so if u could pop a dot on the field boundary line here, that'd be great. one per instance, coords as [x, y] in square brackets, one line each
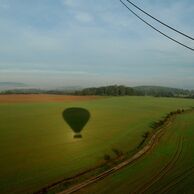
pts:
[147, 147]
[114, 169]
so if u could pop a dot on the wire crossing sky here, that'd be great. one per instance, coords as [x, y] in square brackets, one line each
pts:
[178, 31]
[52, 44]
[174, 40]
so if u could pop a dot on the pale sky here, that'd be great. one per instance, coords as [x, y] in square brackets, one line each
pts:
[55, 43]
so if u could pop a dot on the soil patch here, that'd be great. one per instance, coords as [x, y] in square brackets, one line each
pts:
[29, 98]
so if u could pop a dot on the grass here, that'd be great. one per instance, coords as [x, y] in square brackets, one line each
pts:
[38, 148]
[168, 168]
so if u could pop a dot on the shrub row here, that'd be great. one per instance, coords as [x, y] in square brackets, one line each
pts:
[161, 122]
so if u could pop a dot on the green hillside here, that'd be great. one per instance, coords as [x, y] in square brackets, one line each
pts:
[38, 148]
[168, 168]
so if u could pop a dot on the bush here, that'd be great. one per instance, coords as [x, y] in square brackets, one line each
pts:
[146, 134]
[117, 152]
[178, 111]
[107, 157]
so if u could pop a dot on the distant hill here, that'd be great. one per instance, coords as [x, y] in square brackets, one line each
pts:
[163, 91]
[113, 90]
[69, 88]
[12, 84]
[119, 90]
[23, 91]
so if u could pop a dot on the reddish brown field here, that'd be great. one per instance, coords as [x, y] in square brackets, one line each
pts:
[22, 98]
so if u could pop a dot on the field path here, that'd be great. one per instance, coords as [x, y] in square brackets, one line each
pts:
[101, 176]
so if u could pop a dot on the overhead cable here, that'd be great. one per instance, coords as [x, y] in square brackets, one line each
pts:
[168, 26]
[184, 45]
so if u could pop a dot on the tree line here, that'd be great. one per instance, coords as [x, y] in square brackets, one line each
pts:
[113, 90]
[120, 90]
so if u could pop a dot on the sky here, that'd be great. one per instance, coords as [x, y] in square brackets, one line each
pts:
[59, 43]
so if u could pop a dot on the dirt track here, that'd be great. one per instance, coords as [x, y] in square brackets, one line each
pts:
[139, 154]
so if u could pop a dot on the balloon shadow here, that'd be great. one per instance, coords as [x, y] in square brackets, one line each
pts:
[76, 118]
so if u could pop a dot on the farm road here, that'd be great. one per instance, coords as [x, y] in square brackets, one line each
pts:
[101, 176]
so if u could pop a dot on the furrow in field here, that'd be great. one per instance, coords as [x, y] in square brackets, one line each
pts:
[176, 180]
[139, 154]
[164, 170]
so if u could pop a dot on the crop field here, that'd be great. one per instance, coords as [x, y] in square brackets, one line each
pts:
[168, 168]
[38, 146]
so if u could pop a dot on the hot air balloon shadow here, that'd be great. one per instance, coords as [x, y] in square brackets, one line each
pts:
[76, 118]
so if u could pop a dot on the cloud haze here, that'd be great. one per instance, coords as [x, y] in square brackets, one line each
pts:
[80, 42]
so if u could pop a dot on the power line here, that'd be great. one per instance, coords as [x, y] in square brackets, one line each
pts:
[160, 21]
[156, 28]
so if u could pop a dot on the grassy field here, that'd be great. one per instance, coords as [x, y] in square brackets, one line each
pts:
[38, 148]
[168, 168]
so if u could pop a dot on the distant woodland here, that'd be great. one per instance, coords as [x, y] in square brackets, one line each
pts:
[114, 90]
[156, 91]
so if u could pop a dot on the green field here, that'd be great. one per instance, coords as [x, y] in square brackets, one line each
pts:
[38, 148]
[168, 168]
